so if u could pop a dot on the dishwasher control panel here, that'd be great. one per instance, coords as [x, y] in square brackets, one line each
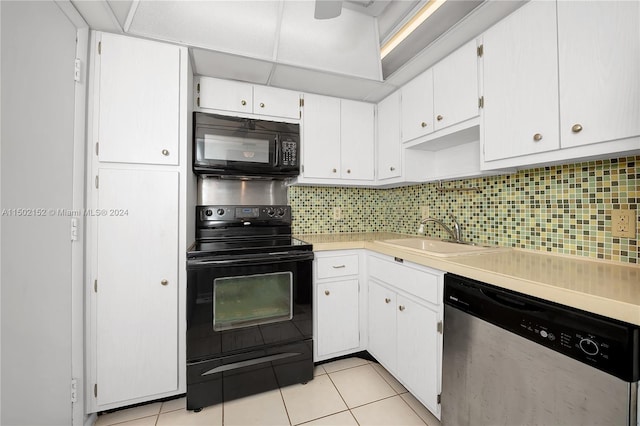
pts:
[609, 345]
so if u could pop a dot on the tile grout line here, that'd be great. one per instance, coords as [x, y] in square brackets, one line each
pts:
[284, 404]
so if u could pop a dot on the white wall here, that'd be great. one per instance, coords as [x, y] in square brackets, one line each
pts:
[37, 139]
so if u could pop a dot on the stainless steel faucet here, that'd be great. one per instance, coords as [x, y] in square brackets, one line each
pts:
[455, 233]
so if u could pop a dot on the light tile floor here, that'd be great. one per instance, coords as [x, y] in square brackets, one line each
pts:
[350, 391]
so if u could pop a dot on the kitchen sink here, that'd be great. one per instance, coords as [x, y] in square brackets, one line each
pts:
[441, 248]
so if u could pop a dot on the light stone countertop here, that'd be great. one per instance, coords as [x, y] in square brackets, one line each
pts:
[606, 288]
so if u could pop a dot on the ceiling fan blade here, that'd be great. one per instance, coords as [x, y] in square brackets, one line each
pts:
[327, 9]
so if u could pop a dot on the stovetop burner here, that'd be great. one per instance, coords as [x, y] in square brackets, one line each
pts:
[237, 230]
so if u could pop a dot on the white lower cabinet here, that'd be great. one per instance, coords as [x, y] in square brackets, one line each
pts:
[405, 325]
[339, 305]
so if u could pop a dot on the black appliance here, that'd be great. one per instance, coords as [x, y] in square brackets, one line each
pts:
[243, 147]
[249, 304]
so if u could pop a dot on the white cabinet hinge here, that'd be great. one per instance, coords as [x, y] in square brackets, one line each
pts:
[99, 48]
[481, 102]
[301, 102]
[439, 327]
[76, 69]
[97, 148]
[74, 390]
[439, 398]
[74, 229]
[480, 50]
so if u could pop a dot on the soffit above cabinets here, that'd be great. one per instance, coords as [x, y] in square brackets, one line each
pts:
[279, 43]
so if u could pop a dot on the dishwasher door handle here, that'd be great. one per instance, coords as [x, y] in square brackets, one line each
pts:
[509, 302]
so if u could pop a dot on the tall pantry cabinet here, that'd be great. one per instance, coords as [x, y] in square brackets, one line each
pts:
[137, 190]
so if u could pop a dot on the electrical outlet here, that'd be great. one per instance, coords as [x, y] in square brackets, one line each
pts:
[337, 213]
[424, 211]
[623, 223]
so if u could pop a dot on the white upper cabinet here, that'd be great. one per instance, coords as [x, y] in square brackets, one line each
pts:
[233, 96]
[321, 137]
[417, 106]
[389, 144]
[520, 114]
[357, 139]
[455, 87]
[338, 140]
[138, 110]
[276, 102]
[225, 95]
[599, 55]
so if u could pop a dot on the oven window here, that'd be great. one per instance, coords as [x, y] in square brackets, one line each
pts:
[252, 300]
[231, 148]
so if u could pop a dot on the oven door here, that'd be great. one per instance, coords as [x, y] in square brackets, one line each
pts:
[241, 303]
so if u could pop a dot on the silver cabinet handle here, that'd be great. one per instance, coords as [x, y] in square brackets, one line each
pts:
[243, 102]
[439, 118]
[327, 292]
[392, 168]
[387, 300]
[402, 308]
[576, 128]
[261, 105]
[164, 282]
[348, 170]
[537, 137]
[338, 266]
[165, 152]
[423, 124]
[334, 170]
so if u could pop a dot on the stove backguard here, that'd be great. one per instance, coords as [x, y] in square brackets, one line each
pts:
[220, 191]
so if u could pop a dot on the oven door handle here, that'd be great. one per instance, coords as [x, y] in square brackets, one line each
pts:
[250, 261]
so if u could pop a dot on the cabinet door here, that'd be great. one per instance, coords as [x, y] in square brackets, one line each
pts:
[382, 325]
[357, 140]
[419, 352]
[338, 317]
[321, 137]
[417, 106]
[138, 112]
[599, 71]
[276, 102]
[389, 145]
[520, 73]
[455, 87]
[224, 95]
[137, 284]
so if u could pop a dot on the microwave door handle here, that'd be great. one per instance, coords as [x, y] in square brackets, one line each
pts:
[277, 150]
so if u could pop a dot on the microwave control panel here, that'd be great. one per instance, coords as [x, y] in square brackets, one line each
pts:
[289, 153]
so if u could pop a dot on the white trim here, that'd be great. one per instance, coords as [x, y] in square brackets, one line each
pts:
[130, 15]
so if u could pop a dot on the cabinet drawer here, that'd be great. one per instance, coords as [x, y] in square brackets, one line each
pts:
[419, 283]
[337, 266]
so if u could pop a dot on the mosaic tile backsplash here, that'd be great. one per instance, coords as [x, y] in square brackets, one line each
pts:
[561, 209]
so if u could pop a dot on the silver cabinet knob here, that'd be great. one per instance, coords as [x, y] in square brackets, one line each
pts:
[243, 102]
[402, 308]
[576, 128]
[423, 124]
[165, 152]
[348, 170]
[261, 105]
[164, 282]
[327, 292]
[537, 137]
[334, 170]
[439, 118]
[392, 168]
[387, 300]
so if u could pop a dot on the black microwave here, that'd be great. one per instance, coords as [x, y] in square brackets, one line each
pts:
[244, 147]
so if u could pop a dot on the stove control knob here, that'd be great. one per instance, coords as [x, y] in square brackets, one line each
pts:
[208, 212]
[220, 212]
[270, 211]
[280, 212]
[589, 347]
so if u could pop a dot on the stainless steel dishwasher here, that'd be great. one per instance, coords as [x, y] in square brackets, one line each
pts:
[511, 359]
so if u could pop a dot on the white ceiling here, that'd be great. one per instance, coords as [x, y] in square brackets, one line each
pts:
[279, 43]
